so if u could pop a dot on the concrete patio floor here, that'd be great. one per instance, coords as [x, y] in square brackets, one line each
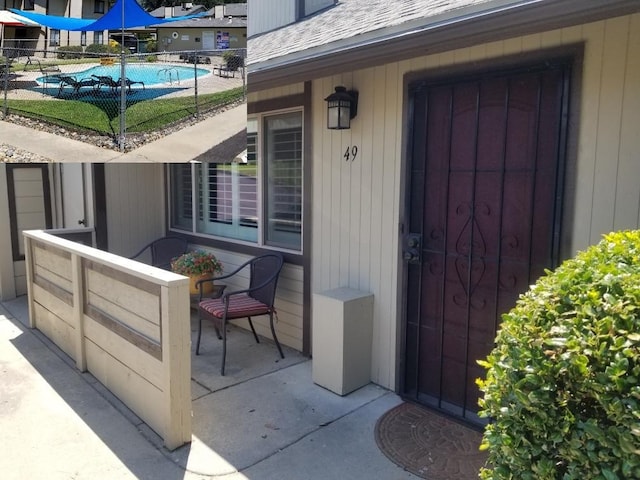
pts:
[264, 420]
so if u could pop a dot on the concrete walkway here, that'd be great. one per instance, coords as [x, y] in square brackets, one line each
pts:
[182, 146]
[264, 420]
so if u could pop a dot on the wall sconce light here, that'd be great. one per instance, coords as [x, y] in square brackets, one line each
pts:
[342, 106]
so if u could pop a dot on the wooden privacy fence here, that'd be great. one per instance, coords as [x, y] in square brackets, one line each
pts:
[125, 322]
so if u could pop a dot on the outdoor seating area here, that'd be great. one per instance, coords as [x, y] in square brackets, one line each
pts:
[230, 67]
[258, 299]
[161, 251]
[76, 85]
[113, 85]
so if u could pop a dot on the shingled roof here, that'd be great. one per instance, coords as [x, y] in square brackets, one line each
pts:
[359, 33]
[351, 20]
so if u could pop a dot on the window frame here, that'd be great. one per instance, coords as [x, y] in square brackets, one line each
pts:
[99, 6]
[54, 37]
[261, 192]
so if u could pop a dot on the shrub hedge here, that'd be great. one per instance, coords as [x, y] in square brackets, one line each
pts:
[562, 385]
[69, 52]
[101, 48]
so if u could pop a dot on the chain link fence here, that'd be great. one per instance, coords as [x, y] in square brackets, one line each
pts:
[114, 94]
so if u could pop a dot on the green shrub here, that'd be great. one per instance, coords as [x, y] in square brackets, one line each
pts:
[151, 46]
[69, 52]
[102, 48]
[151, 58]
[562, 382]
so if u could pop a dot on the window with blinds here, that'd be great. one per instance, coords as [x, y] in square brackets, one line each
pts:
[256, 197]
[283, 152]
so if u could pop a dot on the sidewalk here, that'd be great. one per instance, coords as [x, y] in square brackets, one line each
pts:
[58, 423]
[181, 146]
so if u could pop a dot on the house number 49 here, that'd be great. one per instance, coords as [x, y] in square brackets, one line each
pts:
[350, 153]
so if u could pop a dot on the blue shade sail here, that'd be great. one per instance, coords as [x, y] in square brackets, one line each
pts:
[134, 16]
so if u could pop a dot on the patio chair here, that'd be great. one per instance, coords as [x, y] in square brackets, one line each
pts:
[231, 66]
[46, 69]
[256, 300]
[75, 84]
[162, 251]
[129, 82]
[108, 81]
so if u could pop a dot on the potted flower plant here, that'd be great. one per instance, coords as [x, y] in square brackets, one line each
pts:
[196, 265]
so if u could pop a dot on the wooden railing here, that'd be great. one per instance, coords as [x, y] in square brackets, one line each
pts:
[125, 322]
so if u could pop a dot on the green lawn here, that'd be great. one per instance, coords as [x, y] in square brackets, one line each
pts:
[103, 116]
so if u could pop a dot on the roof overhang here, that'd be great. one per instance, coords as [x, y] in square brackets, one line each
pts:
[432, 35]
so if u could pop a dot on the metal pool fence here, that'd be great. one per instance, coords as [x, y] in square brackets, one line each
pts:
[113, 94]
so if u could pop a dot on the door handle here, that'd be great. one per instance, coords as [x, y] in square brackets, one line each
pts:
[413, 248]
[81, 222]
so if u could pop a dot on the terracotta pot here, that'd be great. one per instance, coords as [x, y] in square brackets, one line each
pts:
[207, 287]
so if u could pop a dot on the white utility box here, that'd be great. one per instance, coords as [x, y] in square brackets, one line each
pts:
[342, 334]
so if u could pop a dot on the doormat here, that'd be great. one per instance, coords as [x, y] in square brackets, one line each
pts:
[429, 445]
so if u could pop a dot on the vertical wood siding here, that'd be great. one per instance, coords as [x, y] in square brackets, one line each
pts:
[135, 205]
[285, 91]
[356, 204]
[30, 214]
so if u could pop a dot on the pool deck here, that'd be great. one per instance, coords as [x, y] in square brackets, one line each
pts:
[21, 84]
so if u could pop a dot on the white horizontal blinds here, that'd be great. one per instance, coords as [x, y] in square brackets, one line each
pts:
[248, 191]
[220, 196]
[181, 195]
[283, 151]
[227, 200]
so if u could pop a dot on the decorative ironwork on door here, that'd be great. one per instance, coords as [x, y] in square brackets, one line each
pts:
[485, 176]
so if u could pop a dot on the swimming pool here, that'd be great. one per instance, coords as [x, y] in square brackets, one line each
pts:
[150, 74]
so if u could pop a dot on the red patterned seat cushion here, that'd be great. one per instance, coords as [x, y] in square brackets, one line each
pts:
[239, 306]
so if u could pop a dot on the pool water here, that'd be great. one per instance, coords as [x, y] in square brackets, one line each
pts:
[152, 74]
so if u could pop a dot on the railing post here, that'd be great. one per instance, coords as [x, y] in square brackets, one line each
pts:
[77, 279]
[176, 359]
[28, 261]
[195, 77]
[5, 86]
[123, 97]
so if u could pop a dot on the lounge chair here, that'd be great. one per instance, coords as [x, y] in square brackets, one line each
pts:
[131, 82]
[75, 84]
[108, 81]
[46, 69]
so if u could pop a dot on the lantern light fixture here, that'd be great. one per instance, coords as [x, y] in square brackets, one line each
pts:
[342, 106]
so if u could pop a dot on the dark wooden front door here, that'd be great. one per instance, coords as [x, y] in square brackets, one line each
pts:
[485, 175]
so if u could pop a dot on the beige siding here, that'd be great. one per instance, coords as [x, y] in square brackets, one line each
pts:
[288, 298]
[276, 92]
[356, 205]
[135, 206]
[30, 214]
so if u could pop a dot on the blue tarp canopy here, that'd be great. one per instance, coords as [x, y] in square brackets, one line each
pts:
[134, 16]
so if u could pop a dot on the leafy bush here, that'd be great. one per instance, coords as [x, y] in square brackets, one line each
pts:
[102, 48]
[152, 46]
[69, 52]
[562, 382]
[151, 58]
